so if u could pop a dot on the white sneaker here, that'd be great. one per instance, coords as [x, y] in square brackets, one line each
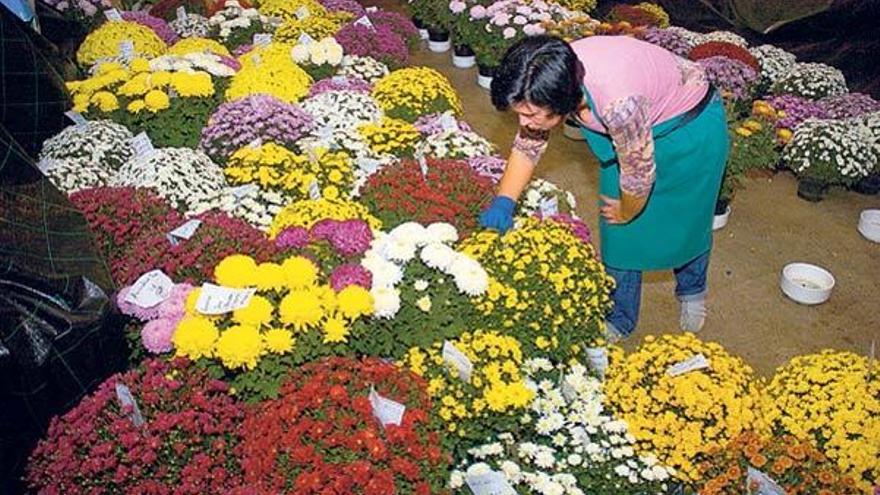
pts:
[693, 315]
[612, 335]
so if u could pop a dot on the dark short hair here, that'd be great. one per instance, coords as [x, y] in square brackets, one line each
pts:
[541, 70]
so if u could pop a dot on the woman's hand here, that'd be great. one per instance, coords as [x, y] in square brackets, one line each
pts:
[610, 210]
[619, 211]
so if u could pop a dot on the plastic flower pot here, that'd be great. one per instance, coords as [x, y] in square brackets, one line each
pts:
[722, 214]
[811, 189]
[806, 284]
[869, 225]
[869, 186]
[572, 130]
[485, 75]
[438, 40]
[463, 57]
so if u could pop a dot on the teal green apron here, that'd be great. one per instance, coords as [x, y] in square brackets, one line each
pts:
[676, 224]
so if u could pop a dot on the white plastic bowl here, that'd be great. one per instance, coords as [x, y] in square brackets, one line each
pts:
[720, 221]
[869, 225]
[484, 82]
[807, 284]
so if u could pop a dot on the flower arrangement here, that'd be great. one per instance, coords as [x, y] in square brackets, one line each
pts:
[418, 282]
[161, 319]
[682, 418]
[830, 151]
[334, 110]
[733, 78]
[336, 245]
[104, 42]
[451, 191]
[320, 59]
[812, 81]
[567, 443]
[317, 27]
[643, 14]
[794, 465]
[85, 156]
[832, 400]
[415, 91]
[235, 26]
[540, 194]
[775, 64]
[573, 28]
[849, 105]
[724, 36]
[186, 443]
[871, 121]
[323, 434]
[287, 9]
[455, 144]
[351, 6]
[307, 213]
[391, 136]
[85, 12]
[270, 70]
[157, 25]
[340, 83]
[182, 176]
[379, 42]
[293, 317]
[240, 122]
[481, 405]
[398, 23]
[198, 45]
[724, 49]
[548, 288]
[367, 68]
[668, 39]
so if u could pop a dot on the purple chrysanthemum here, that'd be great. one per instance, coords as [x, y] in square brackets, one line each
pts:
[293, 238]
[351, 237]
[340, 83]
[431, 124]
[156, 335]
[160, 27]
[379, 42]
[796, 110]
[350, 274]
[849, 105]
[669, 40]
[729, 75]
[344, 6]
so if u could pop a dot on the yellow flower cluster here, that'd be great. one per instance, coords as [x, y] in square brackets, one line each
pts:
[683, 418]
[657, 12]
[391, 136]
[415, 91]
[308, 212]
[578, 5]
[547, 287]
[198, 45]
[318, 27]
[495, 393]
[269, 70]
[136, 88]
[831, 399]
[104, 42]
[573, 28]
[291, 301]
[274, 167]
[292, 9]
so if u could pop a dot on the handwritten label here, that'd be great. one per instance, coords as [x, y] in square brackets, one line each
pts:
[76, 118]
[372, 9]
[262, 39]
[871, 358]
[239, 192]
[423, 165]
[694, 363]
[184, 232]
[549, 206]
[365, 22]
[386, 410]
[302, 12]
[150, 289]
[448, 122]
[142, 145]
[123, 393]
[339, 79]
[458, 360]
[369, 165]
[48, 164]
[597, 358]
[181, 13]
[766, 486]
[490, 483]
[126, 49]
[305, 39]
[112, 15]
[216, 300]
[314, 191]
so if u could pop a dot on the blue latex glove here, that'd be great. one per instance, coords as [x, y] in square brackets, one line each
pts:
[499, 214]
[21, 8]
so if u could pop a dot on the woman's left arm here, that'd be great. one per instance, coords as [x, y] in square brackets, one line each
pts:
[628, 123]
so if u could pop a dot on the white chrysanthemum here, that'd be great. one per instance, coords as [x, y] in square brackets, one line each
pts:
[441, 232]
[545, 459]
[398, 249]
[438, 256]
[420, 285]
[622, 470]
[411, 232]
[478, 469]
[470, 277]
[385, 273]
[386, 302]
[456, 480]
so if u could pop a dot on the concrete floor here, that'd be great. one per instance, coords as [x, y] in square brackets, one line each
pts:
[769, 227]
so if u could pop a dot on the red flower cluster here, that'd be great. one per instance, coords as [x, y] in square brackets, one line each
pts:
[724, 49]
[320, 436]
[634, 15]
[452, 192]
[185, 446]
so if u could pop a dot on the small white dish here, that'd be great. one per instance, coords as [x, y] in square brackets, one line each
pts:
[440, 46]
[869, 225]
[807, 284]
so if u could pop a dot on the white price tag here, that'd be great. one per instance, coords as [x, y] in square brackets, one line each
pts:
[568, 391]
[365, 22]
[423, 165]
[694, 363]
[386, 410]
[216, 300]
[549, 206]
[305, 39]
[314, 191]
[123, 393]
[76, 118]
[448, 122]
[766, 485]
[339, 79]
[262, 39]
[324, 133]
[256, 143]
[372, 9]
[490, 483]
[181, 13]
[597, 357]
[142, 145]
[239, 192]
[458, 360]
[112, 15]
[150, 289]
[302, 12]
[184, 232]
[369, 165]
[126, 49]
[48, 164]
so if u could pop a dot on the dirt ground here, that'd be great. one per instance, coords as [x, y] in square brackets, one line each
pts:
[769, 227]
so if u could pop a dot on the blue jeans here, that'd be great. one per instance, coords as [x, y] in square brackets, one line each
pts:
[627, 296]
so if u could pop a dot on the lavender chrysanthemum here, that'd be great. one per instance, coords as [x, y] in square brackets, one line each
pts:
[668, 39]
[350, 274]
[344, 6]
[159, 26]
[796, 110]
[849, 105]
[293, 238]
[431, 124]
[351, 237]
[730, 76]
[340, 83]
[488, 166]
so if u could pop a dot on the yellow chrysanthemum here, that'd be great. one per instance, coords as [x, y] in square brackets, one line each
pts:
[301, 309]
[258, 312]
[237, 270]
[191, 300]
[292, 9]
[299, 272]
[278, 341]
[139, 64]
[195, 337]
[156, 100]
[198, 45]
[415, 91]
[269, 70]
[160, 79]
[391, 136]
[354, 301]
[192, 84]
[80, 103]
[105, 101]
[105, 41]
[136, 86]
[135, 106]
[270, 276]
[308, 212]
[240, 347]
[335, 331]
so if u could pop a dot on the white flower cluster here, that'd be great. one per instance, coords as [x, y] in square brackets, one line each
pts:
[187, 178]
[250, 203]
[85, 156]
[775, 62]
[813, 81]
[725, 36]
[539, 192]
[191, 26]
[367, 68]
[455, 144]
[692, 37]
[567, 437]
[234, 17]
[871, 121]
[834, 150]
[389, 254]
[325, 52]
[333, 110]
[208, 62]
